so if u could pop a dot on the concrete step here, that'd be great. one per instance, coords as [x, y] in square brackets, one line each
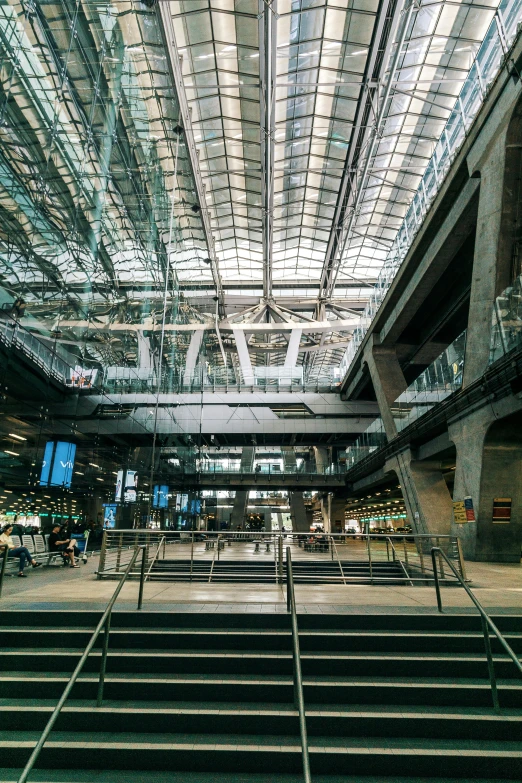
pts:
[249, 753]
[270, 688]
[260, 662]
[269, 639]
[330, 622]
[193, 718]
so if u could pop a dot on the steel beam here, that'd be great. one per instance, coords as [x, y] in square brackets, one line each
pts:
[382, 40]
[173, 58]
[267, 69]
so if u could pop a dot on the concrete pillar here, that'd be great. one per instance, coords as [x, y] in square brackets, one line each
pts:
[388, 382]
[321, 458]
[426, 496]
[492, 257]
[145, 357]
[297, 510]
[289, 460]
[489, 467]
[241, 499]
[337, 514]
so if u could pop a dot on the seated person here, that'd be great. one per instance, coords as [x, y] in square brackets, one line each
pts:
[16, 551]
[58, 542]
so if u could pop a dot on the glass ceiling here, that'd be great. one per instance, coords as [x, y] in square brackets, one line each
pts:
[318, 46]
[134, 137]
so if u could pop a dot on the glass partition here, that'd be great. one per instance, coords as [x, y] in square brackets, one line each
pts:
[487, 64]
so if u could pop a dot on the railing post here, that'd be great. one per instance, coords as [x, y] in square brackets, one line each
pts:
[103, 664]
[191, 554]
[419, 547]
[118, 556]
[462, 567]
[280, 558]
[405, 551]
[491, 666]
[436, 576]
[5, 555]
[370, 558]
[101, 564]
[142, 576]
[388, 550]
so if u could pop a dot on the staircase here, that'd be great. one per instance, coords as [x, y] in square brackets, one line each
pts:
[264, 571]
[207, 697]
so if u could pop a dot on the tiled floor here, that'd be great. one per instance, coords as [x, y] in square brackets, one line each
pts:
[497, 586]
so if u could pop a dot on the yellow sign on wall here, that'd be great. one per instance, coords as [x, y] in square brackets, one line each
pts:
[459, 512]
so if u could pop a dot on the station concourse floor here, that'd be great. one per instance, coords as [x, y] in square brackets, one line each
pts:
[497, 585]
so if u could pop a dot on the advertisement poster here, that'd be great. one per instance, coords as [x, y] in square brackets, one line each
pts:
[58, 464]
[160, 496]
[130, 494]
[119, 481]
[109, 515]
[459, 512]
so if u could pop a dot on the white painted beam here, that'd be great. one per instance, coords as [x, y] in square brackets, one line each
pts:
[293, 348]
[244, 356]
[192, 356]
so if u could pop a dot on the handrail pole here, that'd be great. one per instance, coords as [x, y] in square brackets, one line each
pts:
[486, 620]
[462, 567]
[4, 563]
[74, 676]
[298, 677]
[370, 558]
[142, 576]
[162, 541]
[339, 561]
[103, 664]
[436, 576]
[191, 555]
[491, 665]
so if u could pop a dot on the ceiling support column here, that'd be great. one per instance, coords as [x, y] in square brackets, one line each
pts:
[292, 351]
[244, 357]
[192, 356]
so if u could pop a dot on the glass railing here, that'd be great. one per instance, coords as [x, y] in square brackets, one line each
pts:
[438, 381]
[370, 440]
[221, 467]
[507, 321]
[134, 380]
[499, 36]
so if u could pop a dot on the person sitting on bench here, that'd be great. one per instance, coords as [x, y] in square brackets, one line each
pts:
[16, 551]
[58, 542]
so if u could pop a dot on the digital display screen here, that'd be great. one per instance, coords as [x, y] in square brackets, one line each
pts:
[119, 480]
[195, 506]
[130, 491]
[109, 515]
[161, 496]
[58, 464]
[130, 494]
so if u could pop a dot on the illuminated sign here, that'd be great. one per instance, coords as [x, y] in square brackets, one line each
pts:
[58, 464]
[161, 496]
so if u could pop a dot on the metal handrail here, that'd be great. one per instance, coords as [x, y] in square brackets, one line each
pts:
[162, 541]
[338, 559]
[486, 621]
[397, 558]
[216, 550]
[5, 555]
[298, 677]
[103, 624]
